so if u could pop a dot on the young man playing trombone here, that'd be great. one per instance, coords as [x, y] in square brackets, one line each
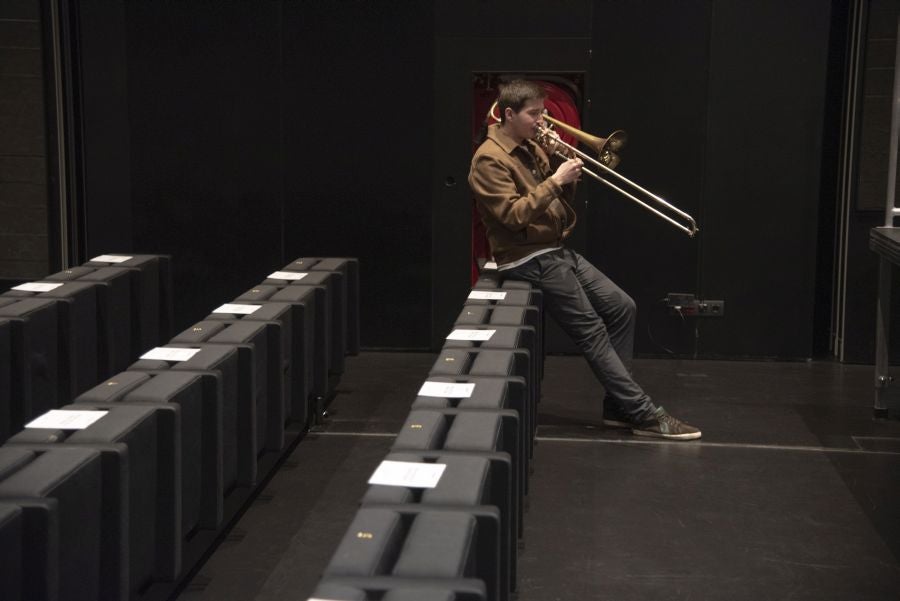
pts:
[523, 199]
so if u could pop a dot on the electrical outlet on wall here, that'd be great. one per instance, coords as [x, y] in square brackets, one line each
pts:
[686, 304]
[711, 308]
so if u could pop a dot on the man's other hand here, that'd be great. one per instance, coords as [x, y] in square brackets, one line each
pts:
[568, 172]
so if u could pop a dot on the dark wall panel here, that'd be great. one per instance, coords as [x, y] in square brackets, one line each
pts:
[877, 94]
[204, 106]
[23, 149]
[649, 77]
[766, 103]
[106, 156]
[357, 163]
[513, 18]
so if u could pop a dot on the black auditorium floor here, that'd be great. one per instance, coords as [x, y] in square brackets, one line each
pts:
[793, 492]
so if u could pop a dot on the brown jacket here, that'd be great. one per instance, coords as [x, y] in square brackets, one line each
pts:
[523, 210]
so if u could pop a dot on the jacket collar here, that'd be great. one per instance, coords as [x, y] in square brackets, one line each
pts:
[502, 140]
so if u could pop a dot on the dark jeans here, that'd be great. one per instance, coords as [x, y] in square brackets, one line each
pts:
[598, 316]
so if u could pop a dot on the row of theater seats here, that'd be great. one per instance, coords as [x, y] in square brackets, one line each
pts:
[456, 537]
[64, 333]
[126, 506]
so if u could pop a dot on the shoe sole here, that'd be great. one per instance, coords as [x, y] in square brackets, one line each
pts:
[613, 423]
[688, 436]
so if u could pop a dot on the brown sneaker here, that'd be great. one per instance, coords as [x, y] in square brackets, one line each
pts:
[663, 425]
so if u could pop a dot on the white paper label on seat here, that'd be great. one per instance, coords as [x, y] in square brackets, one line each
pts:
[486, 295]
[37, 287]
[166, 353]
[288, 275]
[65, 419]
[490, 265]
[237, 309]
[111, 259]
[477, 335]
[446, 390]
[408, 473]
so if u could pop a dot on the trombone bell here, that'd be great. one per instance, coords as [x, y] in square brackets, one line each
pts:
[606, 149]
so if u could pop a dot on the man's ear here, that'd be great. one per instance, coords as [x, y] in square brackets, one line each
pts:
[508, 112]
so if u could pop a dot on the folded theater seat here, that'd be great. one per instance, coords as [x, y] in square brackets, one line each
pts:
[29, 546]
[489, 394]
[508, 338]
[151, 289]
[6, 397]
[485, 392]
[77, 314]
[260, 365]
[36, 384]
[220, 362]
[348, 269]
[74, 541]
[295, 340]
[410, 546]
[519, 338]
[335, 285]
[188, 406]
[518, 294]
[500, 363]
[515, 294]
[12, 550]
[309, 309]
[492, 280]
[330, 288]
[472, 480]
[485, 362]
[455, 431]
[525, 317]
[384, 591]
[116, 315]
[141, 479]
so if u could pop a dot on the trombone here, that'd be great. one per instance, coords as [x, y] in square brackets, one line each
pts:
[607, 160]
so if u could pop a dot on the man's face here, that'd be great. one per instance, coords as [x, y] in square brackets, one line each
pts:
[523, 125]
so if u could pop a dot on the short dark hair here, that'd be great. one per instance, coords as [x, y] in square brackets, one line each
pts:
[516, 93]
